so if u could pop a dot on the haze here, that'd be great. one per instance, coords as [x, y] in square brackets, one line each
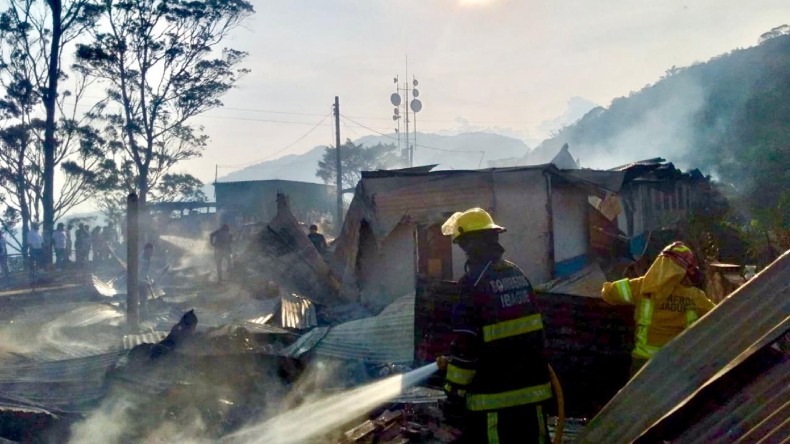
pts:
[497, 65]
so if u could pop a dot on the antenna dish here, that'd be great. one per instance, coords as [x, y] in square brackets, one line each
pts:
[416, 105]
[416, 82]
[396, 111]
[395, 117]
[416, 92]
[395, 99]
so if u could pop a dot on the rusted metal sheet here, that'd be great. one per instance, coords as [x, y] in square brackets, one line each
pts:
[751, 318]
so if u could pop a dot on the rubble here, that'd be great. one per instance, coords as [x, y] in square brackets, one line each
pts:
[212, 359]
[282, 253]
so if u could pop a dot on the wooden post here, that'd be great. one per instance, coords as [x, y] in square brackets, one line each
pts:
[339, 168]
[132, 241]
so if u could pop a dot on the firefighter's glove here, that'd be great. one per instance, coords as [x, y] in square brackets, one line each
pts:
[441, 362]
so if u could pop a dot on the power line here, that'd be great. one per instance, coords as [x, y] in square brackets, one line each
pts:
[345, 125]
[418, 145]
[254, 120]
[293, 113]
[454, 121]
[270, 111]
[280, 150]
[250, 119]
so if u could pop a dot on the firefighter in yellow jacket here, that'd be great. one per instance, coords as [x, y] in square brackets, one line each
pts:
[666, 300]
[497, 380]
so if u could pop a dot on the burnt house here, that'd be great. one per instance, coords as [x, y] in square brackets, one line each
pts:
[654, 196]
[391, 245]
[392, 233]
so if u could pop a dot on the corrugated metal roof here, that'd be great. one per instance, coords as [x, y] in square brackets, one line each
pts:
[752, 317]
[408, 172]
[297, 312]
[306, 342]
[153, 337]
[272, 182]
[756, 412]
[10, 403]
[250, 310]
[386, 338]
[608, 180]
[54, 330]
[68, 385]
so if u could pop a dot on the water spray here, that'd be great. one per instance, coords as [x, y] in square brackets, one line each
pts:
[314, 419]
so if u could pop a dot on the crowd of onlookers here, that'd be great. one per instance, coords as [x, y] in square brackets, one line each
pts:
[81, 246]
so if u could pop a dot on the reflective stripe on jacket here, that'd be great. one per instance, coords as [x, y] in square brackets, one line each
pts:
[663, 306]
[497, 356]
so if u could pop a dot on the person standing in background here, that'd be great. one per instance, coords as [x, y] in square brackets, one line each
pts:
[96, 243]
[318, 239]
[35, 245]
[68, 244]
[110, 237]
[59, 242]
[222, 241]
[3, 255]
[80, 243]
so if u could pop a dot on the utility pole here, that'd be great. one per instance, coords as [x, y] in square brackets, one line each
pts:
[339, 223]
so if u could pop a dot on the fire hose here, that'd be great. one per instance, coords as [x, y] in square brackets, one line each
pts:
[555, 384]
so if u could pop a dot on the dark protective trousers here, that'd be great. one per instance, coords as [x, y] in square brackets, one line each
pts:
[523, 425]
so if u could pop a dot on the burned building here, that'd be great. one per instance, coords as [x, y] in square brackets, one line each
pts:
[655, 195]
[391, 245]
[256, 200]
[556, 219]
[392, 233]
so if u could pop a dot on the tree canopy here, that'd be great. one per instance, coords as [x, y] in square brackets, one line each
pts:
[355, 159]
[162, 64]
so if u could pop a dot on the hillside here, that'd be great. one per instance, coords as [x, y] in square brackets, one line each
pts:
[299, 167]
[468, 149]
[729, 117]
[693, 115]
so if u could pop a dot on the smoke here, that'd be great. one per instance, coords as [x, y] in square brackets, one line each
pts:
[105, 424]
[118, 420]
[205, 408]
[193, 253]
[60, 331]
[314, 419]
[665, 130]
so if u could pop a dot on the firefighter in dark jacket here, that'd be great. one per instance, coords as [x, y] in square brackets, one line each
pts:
[497, 376]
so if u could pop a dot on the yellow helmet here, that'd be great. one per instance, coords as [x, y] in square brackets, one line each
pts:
[474, 219]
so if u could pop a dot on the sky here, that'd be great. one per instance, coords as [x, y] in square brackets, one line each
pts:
[494, 65]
